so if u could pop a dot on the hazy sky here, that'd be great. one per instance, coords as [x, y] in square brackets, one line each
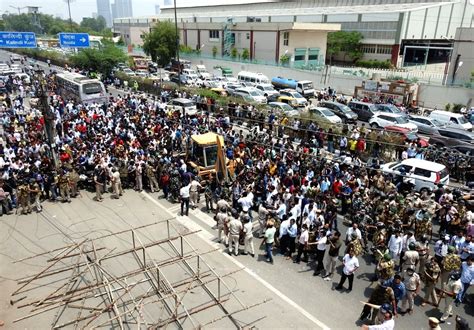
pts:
[82, 8]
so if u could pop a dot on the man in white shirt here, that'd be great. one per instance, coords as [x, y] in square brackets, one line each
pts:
[387, 324]
[248, 239]
[353, 229]
[320, 251]
[395, 246]
[351, 264]
[184, 194]
[194, 192]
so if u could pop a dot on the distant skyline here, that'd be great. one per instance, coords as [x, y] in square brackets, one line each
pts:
[85, 8]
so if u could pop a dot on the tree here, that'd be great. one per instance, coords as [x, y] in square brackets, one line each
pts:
[161, 43]
[348, 42]
[245, 54]
[101, 60]
[95, 24]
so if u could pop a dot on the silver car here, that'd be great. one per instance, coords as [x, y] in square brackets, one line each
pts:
[426, 125]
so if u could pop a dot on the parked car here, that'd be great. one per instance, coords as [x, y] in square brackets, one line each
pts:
[449, 137]
[128, 71]
[253, 93]
[426, 125]
[390, 108]
[455, 120]
[364, 110]
[184, 106]
[267, 89]
[231, 87]
[341, 110]
[285, 108]
[426, 174]
[324, 114]
[383, 119]
[467, 149]
[409, 135]
[300, 100]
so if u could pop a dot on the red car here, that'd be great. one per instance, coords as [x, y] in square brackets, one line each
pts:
[409, 135]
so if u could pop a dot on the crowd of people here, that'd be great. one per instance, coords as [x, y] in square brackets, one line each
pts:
[300, 194]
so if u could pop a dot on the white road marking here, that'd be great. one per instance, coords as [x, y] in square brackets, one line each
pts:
[207, 237]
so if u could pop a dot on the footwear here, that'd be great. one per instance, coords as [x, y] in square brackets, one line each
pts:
[327, 278]
[349, 290]
[253, 255]
[338, 287]
[316, 273]
[245, 253]
[268, 260]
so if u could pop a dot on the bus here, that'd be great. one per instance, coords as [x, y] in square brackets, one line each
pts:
[80, 88]
[139, 62]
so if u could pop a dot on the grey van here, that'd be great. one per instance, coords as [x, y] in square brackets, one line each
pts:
[364, 110]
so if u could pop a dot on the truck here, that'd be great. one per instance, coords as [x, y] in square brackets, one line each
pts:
[223, 72]
[139, 62]
[304, 87]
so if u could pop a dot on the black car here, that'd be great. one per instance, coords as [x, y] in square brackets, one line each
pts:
[340, 110]
[452, 137]
[364, 110]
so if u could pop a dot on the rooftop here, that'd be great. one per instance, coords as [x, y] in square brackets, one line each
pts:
[290, 9]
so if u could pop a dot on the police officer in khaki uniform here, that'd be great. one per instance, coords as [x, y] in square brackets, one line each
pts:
[451, 262]
[64, 186]
[151, 176]
[23, 198]
[35, 193]
[432, 273]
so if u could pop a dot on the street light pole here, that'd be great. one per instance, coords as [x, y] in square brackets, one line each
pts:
[18, 8]
[48, 115]
[177, 43]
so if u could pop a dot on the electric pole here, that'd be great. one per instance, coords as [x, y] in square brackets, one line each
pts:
[48, 115]
[177, 43]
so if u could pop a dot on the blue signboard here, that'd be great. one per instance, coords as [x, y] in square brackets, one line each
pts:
[73, 40]
[17, 39]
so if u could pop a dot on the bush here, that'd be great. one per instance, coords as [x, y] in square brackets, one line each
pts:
[245, 54]
[284, 59]
[234, 53]
[457, 107]
[374, 64]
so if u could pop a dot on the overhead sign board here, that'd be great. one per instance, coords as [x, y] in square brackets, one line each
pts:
[17, 39]
[74, 40]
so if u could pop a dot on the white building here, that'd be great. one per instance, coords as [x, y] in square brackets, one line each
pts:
[402, 31]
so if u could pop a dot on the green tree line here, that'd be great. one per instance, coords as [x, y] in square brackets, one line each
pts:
[50, 25]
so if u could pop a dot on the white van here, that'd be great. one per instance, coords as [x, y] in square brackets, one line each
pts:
[451, 119]
[427, 175]
[252, 78]
[202, 72]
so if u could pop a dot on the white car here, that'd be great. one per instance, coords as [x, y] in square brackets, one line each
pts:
[285, 108]
[325, 114]
[252, 93]
[384, 119]
[267, 89]
[300, 100]
[426, 175]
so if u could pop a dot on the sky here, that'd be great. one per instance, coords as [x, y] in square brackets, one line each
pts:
[85, 8]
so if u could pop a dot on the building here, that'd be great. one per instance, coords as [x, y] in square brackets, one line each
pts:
[103, 9]
[304, 43]
[113, 9]
[123, 8]
[167, 3]
[157, 9]
[406, 32]
[461, 66]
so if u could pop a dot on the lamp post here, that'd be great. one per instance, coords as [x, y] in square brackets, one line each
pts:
[177, 43]
[18, 8]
